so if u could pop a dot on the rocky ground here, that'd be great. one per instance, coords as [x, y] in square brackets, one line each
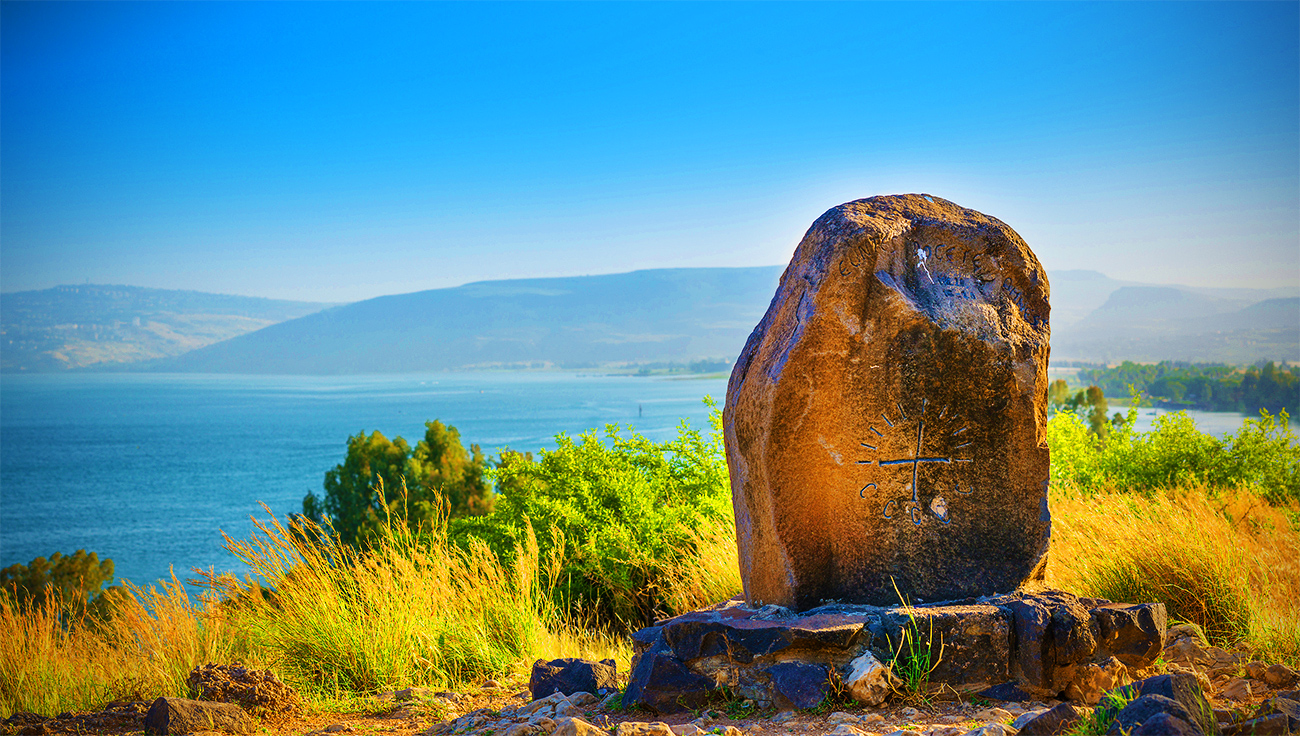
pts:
[1235, 684]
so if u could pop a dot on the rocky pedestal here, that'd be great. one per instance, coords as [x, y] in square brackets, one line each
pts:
[1047, 644]
[885, 422]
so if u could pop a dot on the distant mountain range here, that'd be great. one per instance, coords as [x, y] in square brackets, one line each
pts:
[576, 322]
[1152, 323]
[638, 318]
[94, 325]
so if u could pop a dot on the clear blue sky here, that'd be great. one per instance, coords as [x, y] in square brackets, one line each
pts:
[341, 151]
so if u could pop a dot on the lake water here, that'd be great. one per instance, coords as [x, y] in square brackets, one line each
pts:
[146, 469]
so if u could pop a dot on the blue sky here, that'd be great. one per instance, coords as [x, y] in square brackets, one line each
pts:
[342, 151]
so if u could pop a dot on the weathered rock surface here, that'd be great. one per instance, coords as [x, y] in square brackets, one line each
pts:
[1030, 643]
[177, 715]
[885, 422]
[1274, 725]
[1186, 690]
[1288, 707]
[869, 681]
[1143, 711]
[571, 675]
[1057, 720]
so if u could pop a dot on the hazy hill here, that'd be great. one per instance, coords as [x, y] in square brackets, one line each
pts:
[658, 316]
[1075, 294]
[94, 325]
[640, 317]
[1152, 323]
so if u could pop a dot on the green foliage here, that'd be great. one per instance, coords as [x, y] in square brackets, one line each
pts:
[914, 657]
[1263, 455]
[379, 479]
[73, 583]
[1090, 402]
[1212, 387]
[625, 515]
[1098, 721]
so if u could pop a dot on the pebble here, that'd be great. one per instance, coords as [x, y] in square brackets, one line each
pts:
[1237, 689]
[783, 716]
[909, 712]
[999, 715]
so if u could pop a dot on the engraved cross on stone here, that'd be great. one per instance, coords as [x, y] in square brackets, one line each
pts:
[915, 462]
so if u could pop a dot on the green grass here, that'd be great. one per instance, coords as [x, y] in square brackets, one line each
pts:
[1097, 722]
[914, 657]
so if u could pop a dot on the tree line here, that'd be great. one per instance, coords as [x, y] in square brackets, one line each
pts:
[1205, 386]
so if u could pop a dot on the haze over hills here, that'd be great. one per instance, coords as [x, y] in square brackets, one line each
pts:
[97, 325]
[641, 317]
[1152, 323]
[628, 319]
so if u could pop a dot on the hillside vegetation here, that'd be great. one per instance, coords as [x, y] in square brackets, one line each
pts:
[95, 325]
[1209, 387]
[591, 539]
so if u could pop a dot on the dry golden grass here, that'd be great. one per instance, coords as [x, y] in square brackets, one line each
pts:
[1227, 561]
[338, 622]
[712, 575]
[52, 661]
[404, 611]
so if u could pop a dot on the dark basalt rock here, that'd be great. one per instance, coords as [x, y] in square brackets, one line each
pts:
[1183, 688]
[1272, 725]
[1006, 692]
[1164, 724]
[1129, 632]
[1144, 709]
[796, 685]
[661, 682]
[1057, 720]
[1288, 707]
[169, 716]
[571, 675]
[1004, 644]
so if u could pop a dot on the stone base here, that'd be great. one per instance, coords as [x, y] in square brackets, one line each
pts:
[1047, 644]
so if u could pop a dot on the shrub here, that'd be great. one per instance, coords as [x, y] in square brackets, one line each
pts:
[381, 479]
[1264, 455]
[72, 584]
[633, 521]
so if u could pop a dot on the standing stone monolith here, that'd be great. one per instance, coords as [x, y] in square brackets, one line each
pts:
[885, 424]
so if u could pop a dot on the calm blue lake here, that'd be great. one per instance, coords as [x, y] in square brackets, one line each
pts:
[146, 469]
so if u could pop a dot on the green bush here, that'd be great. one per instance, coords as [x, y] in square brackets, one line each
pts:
[73, 583]
[1263, 455]
[382, 479]
[625, 514]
